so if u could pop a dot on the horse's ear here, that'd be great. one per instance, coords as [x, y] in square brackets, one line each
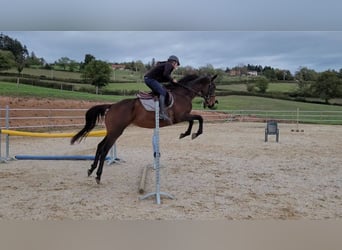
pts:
[214, 77]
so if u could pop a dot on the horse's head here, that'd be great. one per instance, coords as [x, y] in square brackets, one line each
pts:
[202, 86]
[209, 94]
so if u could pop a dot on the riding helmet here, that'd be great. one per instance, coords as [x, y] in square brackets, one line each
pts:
[174, 58]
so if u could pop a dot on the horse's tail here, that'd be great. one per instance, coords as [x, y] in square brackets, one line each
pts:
[92, 117]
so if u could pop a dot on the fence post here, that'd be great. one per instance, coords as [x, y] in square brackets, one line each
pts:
[297, 118]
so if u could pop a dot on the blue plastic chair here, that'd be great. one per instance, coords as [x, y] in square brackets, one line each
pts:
[272, 129]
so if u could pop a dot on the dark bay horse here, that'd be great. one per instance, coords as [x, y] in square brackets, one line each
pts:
[130, 111]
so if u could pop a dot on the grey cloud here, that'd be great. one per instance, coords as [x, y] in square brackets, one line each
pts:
[286, 50]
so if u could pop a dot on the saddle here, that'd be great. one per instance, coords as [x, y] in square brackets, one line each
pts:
[147, 100]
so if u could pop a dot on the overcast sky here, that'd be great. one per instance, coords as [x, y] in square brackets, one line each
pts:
[171, 15]
[318, 50]
[224, 33]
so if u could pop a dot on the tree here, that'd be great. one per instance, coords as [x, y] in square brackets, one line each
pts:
[327, 85]
[269, 73]
[207, 70]
[19, 51]
[257, 68]
[97, 73]
[283, 75]
[32, 59]
[340, 74]
[87, 59]
[63, 62]
[262, 84]
[305, 74]
[6, 60]
[305, 77]
[139, 66]
[73, 65]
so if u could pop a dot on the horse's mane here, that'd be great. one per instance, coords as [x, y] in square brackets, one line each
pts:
[188, 78]
[184, 80]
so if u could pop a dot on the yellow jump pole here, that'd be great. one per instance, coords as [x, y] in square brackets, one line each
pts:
[49, 135]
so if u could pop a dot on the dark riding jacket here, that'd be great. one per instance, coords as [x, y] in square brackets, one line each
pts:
[161, 72]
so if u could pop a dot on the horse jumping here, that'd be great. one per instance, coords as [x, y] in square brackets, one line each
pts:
[130, 111]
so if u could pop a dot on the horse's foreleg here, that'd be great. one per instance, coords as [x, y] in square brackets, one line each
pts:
[188, 131]
[97, 156]
[200, 126]
[190, 119]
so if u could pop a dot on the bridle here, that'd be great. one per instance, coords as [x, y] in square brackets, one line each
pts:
[206, 97]
[211, 92]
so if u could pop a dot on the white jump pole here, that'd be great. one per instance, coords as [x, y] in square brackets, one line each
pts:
[2, 159]
[156, 165]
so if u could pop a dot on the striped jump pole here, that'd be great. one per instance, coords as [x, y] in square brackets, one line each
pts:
[156, 155]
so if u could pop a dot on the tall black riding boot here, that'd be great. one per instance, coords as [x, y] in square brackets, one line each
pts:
[162, 112]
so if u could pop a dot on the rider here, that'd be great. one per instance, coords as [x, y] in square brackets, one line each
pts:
[158, 74]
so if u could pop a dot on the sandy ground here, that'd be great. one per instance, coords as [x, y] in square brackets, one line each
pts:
[227, 173]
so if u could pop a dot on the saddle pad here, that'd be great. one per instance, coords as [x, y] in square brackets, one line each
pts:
[148, 104]
[147, 100]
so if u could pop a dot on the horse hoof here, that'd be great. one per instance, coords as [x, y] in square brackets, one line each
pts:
[181, 136]
[97, 180]
[193, 136]
[89, 172]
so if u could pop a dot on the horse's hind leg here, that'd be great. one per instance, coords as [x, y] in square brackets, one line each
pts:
[97, 156]
[102, 157]
[188, 131]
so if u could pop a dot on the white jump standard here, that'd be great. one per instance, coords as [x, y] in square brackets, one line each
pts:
[156, 155]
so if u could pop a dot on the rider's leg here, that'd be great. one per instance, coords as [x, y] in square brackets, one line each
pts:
[156, 87]
[163, 114]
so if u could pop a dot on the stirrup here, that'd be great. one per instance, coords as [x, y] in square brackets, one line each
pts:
[163, 116]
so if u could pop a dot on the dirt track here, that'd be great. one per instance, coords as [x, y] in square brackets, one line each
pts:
[229, 172]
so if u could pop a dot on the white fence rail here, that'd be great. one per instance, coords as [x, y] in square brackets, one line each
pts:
[288, 116]
[45, 119]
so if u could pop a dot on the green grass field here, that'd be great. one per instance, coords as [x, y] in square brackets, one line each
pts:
[117, 75]
[272, 87]
[260, 103]
[225, 102]
[11, 89]
[281, 109]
